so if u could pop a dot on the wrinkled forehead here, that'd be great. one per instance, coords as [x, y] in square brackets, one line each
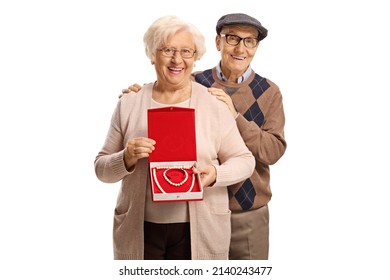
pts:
[249, 31]
[181, 37]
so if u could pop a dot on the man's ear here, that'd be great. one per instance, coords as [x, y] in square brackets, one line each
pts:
[218, 42]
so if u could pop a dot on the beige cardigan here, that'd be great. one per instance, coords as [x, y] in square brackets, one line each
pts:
[218, 143]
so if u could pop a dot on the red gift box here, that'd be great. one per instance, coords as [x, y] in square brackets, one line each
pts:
[172, 179]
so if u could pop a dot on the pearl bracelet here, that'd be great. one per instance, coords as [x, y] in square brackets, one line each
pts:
[167, 178]
[162, 190]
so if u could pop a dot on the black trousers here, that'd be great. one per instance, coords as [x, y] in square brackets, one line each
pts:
[167, 241]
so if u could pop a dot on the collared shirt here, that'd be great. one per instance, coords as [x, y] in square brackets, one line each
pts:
[240, 79]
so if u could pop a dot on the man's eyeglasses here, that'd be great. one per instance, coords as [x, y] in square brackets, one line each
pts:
[234, 40]
[185, 53]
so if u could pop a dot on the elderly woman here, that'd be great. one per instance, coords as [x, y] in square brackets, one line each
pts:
[144, 229]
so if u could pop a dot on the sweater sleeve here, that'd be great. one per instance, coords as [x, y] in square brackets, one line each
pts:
[236, 161]
[267, 143]
[109, 163]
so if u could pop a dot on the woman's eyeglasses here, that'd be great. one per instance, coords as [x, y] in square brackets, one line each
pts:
[185, 53]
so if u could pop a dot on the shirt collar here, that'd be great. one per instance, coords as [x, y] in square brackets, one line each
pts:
[240, 79]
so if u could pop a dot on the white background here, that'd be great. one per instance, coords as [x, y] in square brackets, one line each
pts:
[63, 64]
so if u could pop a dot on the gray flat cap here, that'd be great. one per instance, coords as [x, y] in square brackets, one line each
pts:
[241, 19]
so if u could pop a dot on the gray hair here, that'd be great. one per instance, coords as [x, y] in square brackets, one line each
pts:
[166, 26]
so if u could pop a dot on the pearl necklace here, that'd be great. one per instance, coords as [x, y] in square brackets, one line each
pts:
[169, 181]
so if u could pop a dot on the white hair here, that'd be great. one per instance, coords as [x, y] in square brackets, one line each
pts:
[166, 26]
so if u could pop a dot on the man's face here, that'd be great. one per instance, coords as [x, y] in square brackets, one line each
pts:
[236, 59]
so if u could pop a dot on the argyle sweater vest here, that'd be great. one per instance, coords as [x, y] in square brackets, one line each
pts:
[255, 99]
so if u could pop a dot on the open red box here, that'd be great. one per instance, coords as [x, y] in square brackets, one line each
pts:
[172, 179]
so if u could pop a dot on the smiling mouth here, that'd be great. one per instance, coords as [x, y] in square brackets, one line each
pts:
[175, 69]
[238, 57]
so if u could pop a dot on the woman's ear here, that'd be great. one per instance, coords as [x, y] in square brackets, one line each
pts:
[153, 58]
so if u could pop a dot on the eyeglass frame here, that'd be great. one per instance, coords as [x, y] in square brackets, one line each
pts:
[164, 49]
[241, 39]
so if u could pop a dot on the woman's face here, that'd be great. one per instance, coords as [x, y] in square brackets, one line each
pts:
[173, 69]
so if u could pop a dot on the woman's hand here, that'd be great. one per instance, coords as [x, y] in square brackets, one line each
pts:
[208, 175]
[137, 148]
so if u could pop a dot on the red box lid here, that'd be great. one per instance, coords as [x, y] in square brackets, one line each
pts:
[173, 129]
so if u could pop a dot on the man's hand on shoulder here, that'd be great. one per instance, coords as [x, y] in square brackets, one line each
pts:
[223, 96]
[132, 88]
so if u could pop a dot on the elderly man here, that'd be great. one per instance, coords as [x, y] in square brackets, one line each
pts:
[256, 104]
